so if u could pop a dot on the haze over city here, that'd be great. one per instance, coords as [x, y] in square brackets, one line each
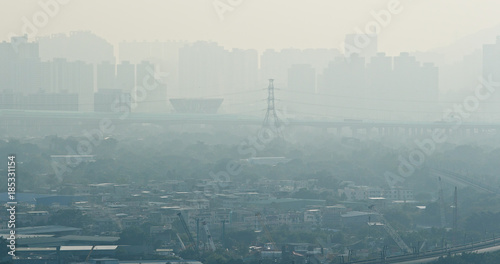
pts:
[249, 131]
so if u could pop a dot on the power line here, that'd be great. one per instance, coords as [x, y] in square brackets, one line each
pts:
[374, 98]
[247, 103]
[375, 109]
[234, 93]
[271, 119]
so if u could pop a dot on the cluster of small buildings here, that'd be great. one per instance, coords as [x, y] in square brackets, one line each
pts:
[353, 192]
[221, 207]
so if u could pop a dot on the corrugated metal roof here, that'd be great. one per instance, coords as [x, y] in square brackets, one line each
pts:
[36, 249]
[80, 248]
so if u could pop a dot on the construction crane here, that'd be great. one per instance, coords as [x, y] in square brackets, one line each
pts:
[186, 229]
[422, 246]
[211, 244]
[390, 230]
[441, 204]
[180, 240]
[88, 256]
[266, 231]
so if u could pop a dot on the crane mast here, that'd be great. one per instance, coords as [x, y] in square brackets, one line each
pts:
[180, 240]
[390, 230]
[186, 229]
[209, 237]
[266, 231]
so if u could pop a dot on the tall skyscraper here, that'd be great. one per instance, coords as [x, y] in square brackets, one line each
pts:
[380, 85]
[77, 46]
[346, 81]
[242, 70]
[275, 64]
[164, 54]
[106, 75]
[202, 69]
[125, 77]
[491, 70]
[491, 60]
[19, 66]
[151, 93]
[302, 77]
[75, 77]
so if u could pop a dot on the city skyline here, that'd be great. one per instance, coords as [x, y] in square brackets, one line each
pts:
[310, 81]
[250, 131]
[359, 78]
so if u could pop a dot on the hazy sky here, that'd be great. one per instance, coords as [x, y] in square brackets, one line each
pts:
[421, 25]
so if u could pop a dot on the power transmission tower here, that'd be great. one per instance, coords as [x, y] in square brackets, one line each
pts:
[271, 120]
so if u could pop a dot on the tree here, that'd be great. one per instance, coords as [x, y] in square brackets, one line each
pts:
[240, 239]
